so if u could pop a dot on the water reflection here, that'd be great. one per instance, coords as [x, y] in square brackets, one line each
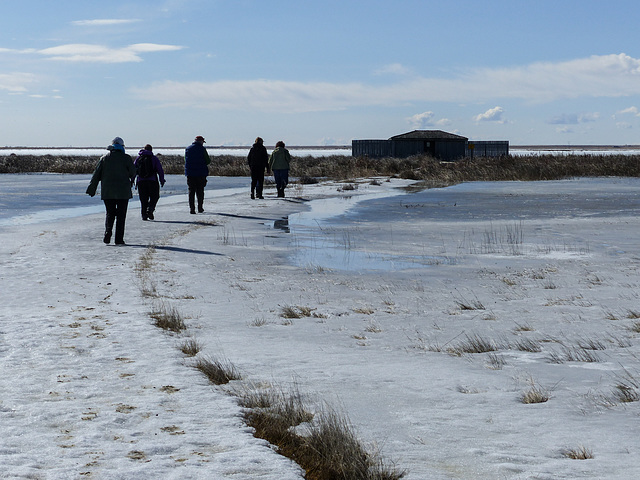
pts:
[282, 224]
[328, 237]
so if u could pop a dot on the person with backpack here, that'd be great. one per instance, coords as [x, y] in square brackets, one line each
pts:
[116, 172]
[196, 161]
[258, 160]
[148, 169]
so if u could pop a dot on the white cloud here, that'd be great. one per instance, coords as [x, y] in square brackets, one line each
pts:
[392, 69]
[574, 118]
[82, 52]
[564, 119]
[427, 119]
[104, 22]
[16, 82]
[421, 120]
[492, 115]
[588, 117]
[630, 110]
[596, 76]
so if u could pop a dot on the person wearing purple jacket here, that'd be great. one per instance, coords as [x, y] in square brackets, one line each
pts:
[150, 178]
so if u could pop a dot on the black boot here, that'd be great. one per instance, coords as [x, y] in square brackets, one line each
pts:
[107, 237]
[253, 195]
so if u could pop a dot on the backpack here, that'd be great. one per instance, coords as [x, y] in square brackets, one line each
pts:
[145, 166]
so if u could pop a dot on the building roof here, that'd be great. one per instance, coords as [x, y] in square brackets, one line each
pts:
[428, 135]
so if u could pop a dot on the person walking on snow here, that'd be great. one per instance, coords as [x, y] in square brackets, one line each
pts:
[196, 170]
[279, 162]
[258, 160]
[148, 168]
[116, 172]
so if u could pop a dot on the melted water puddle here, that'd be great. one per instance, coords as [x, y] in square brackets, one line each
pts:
[323, 240]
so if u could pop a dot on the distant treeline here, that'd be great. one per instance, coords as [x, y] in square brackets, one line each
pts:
[339, 167]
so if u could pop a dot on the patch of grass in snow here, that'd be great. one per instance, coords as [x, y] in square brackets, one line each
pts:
[527, 345]
[324, 445]
[364, 310]
[625, 393]
[633, 314]
[258, 322]
[218, 371]
[591, 344]
[465, 304]
[190, 347]
[290, 312]
[473, 344]
[495, 362]
[534, 394]
[573, 354]
[523, 328]
[168, 318]
[579, 453]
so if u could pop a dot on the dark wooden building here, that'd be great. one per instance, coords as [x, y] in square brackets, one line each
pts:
[441, 145]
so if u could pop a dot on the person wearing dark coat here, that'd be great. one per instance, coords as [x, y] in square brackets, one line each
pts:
[258, 160]
[196, 170]
[116, 172]
[150, 179]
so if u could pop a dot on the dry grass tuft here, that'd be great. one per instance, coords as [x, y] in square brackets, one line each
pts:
[364, 310]
[473, 344]
[219, 372]
[535, 394]
[625, 393]
[168, 318]
[323, 445]
[528, 345]
[495, 362]
[190, 347]
[580, 453]
[333, 452]
[290, 312]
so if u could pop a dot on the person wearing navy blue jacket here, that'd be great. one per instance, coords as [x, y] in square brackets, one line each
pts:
[196, 161]
[150, 179]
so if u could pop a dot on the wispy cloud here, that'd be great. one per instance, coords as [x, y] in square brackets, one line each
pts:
[82, 52]
[574, 118]
[596, 76]
[492, 115]
[16, 82]
[92, 53]
[630, 110]
[392, 69]
[105, 22]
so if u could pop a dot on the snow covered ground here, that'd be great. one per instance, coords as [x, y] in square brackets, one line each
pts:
[399, 285]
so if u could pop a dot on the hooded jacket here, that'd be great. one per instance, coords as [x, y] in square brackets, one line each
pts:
[280, 159]
[157, 167]
[116, 172]
[196, 160]
[258, 158]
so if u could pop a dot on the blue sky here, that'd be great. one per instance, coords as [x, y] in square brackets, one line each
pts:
[79, 72]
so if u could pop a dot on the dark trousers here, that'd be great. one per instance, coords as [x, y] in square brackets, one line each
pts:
[282, 179]
[116, 212]
[149, 193]
[196, 189]
[257, 180]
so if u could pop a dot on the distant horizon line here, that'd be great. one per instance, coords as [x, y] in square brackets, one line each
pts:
[336, 147]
